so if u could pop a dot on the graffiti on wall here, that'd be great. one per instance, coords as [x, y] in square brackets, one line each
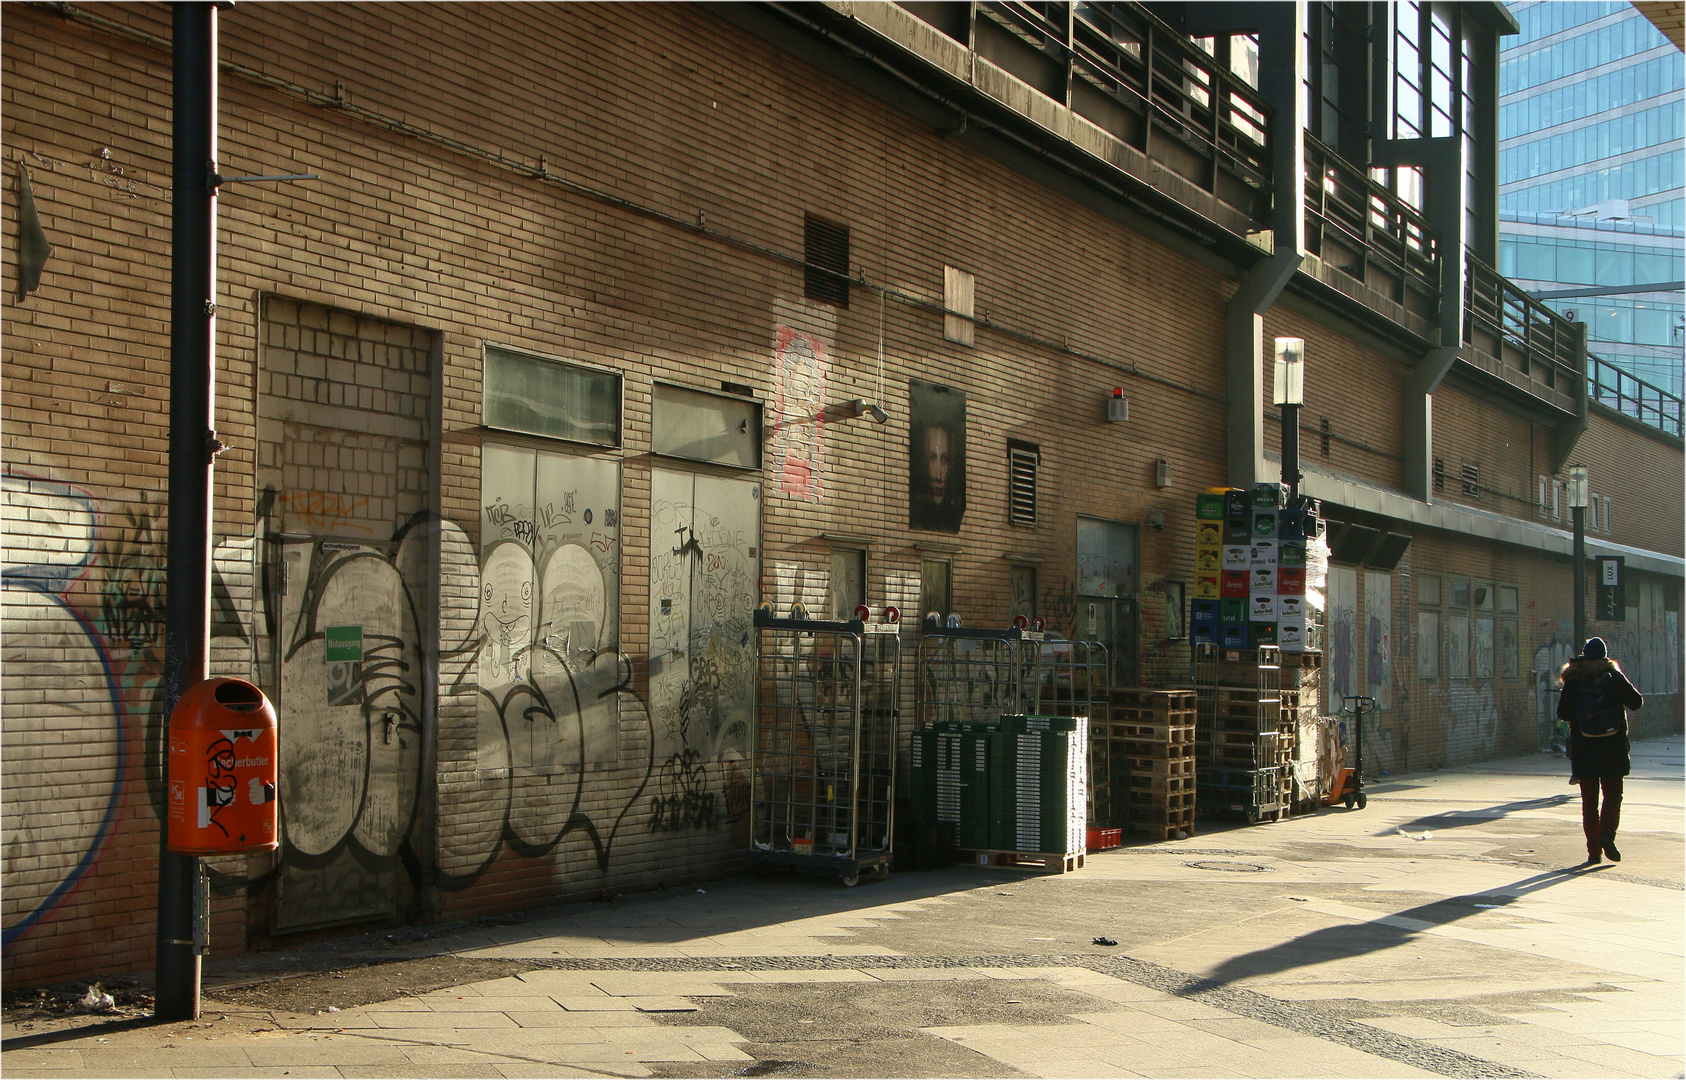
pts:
[1343, 636]
[801, 363]
[1378, 638]
[704, 587]
[58, 657]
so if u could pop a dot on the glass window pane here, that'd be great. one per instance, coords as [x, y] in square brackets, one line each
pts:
[547, 397]
[706, 427]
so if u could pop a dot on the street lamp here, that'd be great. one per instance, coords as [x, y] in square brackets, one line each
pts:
[1289, 395]
[1577, 511]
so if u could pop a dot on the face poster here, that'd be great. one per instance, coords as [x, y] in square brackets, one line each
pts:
[936, 485]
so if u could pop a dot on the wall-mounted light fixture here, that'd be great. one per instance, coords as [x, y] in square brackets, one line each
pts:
[1117, 409]
[862, 407]
[1162, 472]
[1156, 519]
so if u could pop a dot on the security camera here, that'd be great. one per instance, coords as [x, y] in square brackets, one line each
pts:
[876, 411]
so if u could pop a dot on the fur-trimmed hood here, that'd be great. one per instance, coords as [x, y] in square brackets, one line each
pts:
[1582, 667]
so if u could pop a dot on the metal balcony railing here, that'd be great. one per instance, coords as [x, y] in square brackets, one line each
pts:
[1151, 70]
[1518, 331]
[1359, 227]
[1632, 396]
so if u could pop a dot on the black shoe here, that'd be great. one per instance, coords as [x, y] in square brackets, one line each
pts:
[1608, 843]
[1593, 857]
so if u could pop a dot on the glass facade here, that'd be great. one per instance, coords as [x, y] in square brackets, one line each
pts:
[1592, 177]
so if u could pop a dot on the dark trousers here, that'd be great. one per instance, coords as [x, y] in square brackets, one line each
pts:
[1600, 822]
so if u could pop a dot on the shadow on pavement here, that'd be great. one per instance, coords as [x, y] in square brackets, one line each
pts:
[1383, 932]
[1457, 819]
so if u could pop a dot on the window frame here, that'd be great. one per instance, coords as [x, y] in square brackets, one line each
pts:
[487, 348]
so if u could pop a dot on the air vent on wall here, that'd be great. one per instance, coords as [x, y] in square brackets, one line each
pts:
[826, 248]
[1022, 463]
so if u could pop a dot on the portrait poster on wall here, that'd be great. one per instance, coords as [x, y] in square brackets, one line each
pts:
[936, 484]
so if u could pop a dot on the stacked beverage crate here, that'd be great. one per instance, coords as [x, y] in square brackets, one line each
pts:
[1015, 790]
[1242, 740]
[1152, 732]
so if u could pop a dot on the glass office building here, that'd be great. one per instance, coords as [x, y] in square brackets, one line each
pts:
[1592, 218]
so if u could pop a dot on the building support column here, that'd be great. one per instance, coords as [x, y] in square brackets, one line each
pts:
[1245, 351]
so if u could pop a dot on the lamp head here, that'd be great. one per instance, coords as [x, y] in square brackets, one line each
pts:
[1289, 372]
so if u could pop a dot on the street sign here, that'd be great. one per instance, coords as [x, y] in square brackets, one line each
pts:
[1612, 595]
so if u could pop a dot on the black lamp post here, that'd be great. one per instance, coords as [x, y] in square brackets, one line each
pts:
[1577, 512]
[1288, 393]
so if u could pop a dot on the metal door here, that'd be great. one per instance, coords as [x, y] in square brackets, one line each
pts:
[347, 699]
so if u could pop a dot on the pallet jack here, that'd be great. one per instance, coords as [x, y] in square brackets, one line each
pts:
[1349, 785]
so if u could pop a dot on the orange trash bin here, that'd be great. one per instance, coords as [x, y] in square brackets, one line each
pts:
[221, 798]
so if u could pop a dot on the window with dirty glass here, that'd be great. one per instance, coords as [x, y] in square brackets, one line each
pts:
[536, 395]
[701, 426]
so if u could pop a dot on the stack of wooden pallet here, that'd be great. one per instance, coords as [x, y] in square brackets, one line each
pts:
[1152, 732]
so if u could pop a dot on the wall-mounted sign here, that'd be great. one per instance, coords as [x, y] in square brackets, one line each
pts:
[344, 644]
[1612, 596]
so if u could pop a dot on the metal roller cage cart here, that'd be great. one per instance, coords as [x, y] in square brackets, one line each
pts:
[976, 676]
[979, 675]
[824, 763]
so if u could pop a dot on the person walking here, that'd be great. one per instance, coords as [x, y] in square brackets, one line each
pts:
[1594, 703]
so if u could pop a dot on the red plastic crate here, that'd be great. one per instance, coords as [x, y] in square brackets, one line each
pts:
[1102, 839]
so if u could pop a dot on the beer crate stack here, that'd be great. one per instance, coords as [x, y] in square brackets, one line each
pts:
[1152, 732]
[1014, 790]
[1243, 744]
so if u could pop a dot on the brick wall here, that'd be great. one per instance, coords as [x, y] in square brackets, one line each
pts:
[705, 148]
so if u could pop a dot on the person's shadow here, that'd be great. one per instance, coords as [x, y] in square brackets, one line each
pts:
[1384, 932]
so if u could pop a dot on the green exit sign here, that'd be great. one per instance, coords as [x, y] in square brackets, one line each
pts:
[345, 644]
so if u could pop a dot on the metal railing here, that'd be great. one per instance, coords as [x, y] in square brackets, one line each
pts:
[1155, 72]
[1345, 205]
[1529, 336]
[1632, 396]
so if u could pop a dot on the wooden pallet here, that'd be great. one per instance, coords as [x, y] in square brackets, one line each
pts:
[1160, 700]
[1183, 765]
[1165, 825]
[1177, 730]
[1160, 801]
[1161, 833]
[1152, 716]
[1144, 748]
[1044, 861]
[1149, 782]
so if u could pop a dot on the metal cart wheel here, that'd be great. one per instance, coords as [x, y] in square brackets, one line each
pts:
[850, 880]
[881, 872]
[1363, 800]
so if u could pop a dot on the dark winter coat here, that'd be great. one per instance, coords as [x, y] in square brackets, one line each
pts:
[1605, 756]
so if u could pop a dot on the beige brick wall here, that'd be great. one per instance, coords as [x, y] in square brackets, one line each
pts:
[670, 110]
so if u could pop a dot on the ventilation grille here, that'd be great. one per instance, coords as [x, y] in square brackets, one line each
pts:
[1022, 463]
[826, 248]
[1439, 474]
[1470, 477]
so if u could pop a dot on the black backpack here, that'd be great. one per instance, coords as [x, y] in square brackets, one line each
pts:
[1598, 711]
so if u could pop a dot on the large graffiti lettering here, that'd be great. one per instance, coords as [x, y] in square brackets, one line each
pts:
[57, 659]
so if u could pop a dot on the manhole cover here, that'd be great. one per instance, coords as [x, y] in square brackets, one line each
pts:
[1232, 867]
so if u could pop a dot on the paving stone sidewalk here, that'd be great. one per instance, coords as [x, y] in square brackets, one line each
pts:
[1446, 930]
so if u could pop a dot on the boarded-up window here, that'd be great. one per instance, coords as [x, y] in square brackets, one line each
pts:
[959, 297]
